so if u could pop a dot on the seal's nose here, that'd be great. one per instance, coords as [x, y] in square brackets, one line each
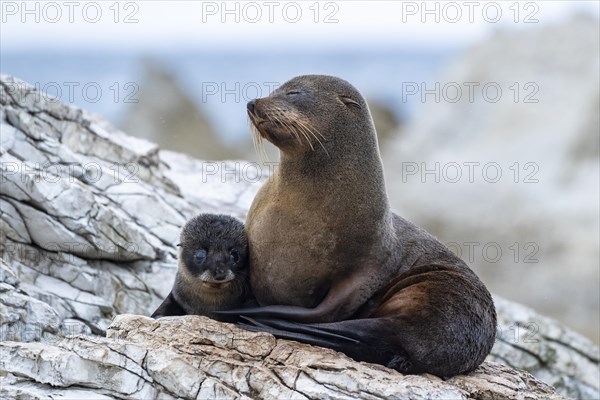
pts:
[219, 275]
[250, 106]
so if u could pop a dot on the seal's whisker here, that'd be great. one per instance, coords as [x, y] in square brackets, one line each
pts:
[320, 134]
[286, 122]
[257, 142]
[301, 129]
[320, 143]
[307, 139]
[296, 128]
[312, 132]
[312, 129]
[292, 130]
[264, 157]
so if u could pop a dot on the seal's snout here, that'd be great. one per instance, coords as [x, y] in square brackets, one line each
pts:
[250, 106]
[220, 275]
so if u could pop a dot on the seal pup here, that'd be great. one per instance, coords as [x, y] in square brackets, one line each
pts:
[212, 268]
[327, 255]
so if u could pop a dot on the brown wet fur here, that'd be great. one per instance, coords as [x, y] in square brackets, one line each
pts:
[326, 250]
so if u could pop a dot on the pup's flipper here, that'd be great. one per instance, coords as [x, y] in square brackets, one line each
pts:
[169, 307]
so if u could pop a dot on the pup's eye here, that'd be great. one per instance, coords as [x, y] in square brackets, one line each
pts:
[200, 256]
[350, 102]
[234, 256]
[293, 93]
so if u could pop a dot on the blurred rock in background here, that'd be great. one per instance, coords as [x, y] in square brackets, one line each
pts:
[532, 232]
[166, 115]
[387, 122]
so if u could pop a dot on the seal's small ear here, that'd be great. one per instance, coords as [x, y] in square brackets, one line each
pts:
[349, 102]
[178, 244]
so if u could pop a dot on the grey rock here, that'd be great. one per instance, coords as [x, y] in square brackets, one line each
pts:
[195, 357]
[548, 350]
[24, 318]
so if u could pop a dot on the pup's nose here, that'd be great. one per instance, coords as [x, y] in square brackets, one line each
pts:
[220, 275]
[250, 106]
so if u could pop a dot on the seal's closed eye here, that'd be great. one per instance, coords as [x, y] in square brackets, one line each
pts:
[349, 102]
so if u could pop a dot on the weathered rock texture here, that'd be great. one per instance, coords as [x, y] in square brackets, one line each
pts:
[89, 220]
[197, 358]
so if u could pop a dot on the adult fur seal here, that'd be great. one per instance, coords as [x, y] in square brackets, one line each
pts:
[327, 251]
[213, 268]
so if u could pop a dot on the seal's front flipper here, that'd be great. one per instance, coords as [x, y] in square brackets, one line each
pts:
[342, 301]
[169, 307]
[294, 313]
[287, 312]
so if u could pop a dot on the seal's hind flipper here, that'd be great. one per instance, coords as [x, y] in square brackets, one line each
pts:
[265, 312]
[169, 307]
[361, 339]
[290, 326]
[298, 337]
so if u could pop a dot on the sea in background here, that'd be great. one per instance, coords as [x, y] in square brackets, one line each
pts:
[221, 83]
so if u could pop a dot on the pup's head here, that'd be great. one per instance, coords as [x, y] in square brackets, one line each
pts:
[214, 249]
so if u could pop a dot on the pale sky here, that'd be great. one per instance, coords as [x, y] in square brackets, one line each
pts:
[181, 25]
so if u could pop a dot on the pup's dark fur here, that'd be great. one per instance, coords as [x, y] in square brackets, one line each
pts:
[213, 268]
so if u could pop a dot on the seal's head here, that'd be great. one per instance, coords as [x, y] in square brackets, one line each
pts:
[311, 110]
[214, 250]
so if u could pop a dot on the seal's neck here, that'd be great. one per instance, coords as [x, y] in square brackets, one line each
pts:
[350, 171]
